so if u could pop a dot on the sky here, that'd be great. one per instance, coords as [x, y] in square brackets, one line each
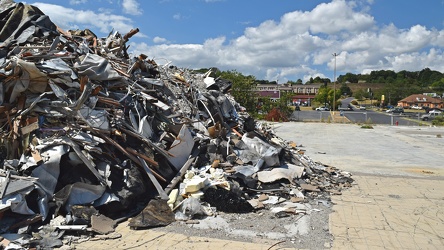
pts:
[276, 40]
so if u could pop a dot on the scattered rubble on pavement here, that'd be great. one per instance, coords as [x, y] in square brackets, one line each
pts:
[92, 136]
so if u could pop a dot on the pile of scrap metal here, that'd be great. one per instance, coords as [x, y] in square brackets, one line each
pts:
[91, 136]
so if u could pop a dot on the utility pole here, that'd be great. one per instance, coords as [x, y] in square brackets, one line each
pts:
[334, 84]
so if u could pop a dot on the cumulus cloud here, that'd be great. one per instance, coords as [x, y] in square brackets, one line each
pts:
[302, 43]
[160, 40]
[68, 18]
[298, 45]
[131, 7]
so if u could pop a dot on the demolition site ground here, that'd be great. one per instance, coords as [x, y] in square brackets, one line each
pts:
[103, 149]
[411, 176]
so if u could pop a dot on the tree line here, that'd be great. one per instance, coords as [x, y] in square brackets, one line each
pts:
[395, 86]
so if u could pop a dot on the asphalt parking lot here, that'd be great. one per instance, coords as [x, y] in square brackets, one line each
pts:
[396, 201]
[386, 150]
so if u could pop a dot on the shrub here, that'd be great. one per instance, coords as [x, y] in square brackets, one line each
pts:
[438, 121]
[276, 115]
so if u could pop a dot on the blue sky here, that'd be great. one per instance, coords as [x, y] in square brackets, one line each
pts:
[273, 40]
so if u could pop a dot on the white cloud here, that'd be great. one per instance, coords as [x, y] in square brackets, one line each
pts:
[68, 18]
[160, 40]
[75, 2]
[299, 45]
[131, 7]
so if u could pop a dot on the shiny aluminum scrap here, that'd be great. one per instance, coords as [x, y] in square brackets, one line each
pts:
[85, 124]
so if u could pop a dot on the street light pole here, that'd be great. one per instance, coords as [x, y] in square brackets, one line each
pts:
[334, 84]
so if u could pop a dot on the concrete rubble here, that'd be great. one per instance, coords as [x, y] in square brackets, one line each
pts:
[92, 136]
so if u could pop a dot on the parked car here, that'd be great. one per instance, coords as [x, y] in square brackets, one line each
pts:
[322, 108]
[396, 110]
[416, 107]
[435, 111]
[297, 108]
[362, 107]
[349, 108]
[430, 116]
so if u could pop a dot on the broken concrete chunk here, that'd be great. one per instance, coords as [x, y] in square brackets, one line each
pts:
[263, 197]
[102, 224]
[288, 171]
[309, 187]
[255, 203]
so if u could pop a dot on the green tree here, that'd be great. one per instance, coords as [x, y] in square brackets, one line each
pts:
[359, 94]
[349, 77]
[243, 89]
[345, 89]
[310, 81]
[284, 103]
[438, 86]
[265, 105]
[322, 95]
[326, 95]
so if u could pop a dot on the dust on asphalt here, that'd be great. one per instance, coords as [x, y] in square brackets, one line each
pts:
[307, 231]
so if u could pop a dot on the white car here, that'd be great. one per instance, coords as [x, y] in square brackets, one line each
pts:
[416, 107]
[430, 116]
[362, 107]
[322, 109]
[434, 111]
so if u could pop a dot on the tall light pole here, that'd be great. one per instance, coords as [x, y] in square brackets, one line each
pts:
[334, 84]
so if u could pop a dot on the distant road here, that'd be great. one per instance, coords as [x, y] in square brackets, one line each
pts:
[359, 116]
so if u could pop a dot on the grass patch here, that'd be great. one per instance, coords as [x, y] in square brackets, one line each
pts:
[367, 126]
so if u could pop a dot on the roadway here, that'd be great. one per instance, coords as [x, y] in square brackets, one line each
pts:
[359, 116]
[356, 115]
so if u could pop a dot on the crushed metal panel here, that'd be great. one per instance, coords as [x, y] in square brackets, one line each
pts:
[163, 195]
[59, 65]
[181, 148]
[260, 152]
[28, 77]
[96, 118]
[96, 68]
[155, 102]
[17, 203]
[145, 128]
[79, 193]
[48, 173]
[153, 81]
[14, 185]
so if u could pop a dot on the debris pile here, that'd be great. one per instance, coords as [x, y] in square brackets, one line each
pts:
[91, 136]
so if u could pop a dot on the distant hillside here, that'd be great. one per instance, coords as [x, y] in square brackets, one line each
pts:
[374, 86]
